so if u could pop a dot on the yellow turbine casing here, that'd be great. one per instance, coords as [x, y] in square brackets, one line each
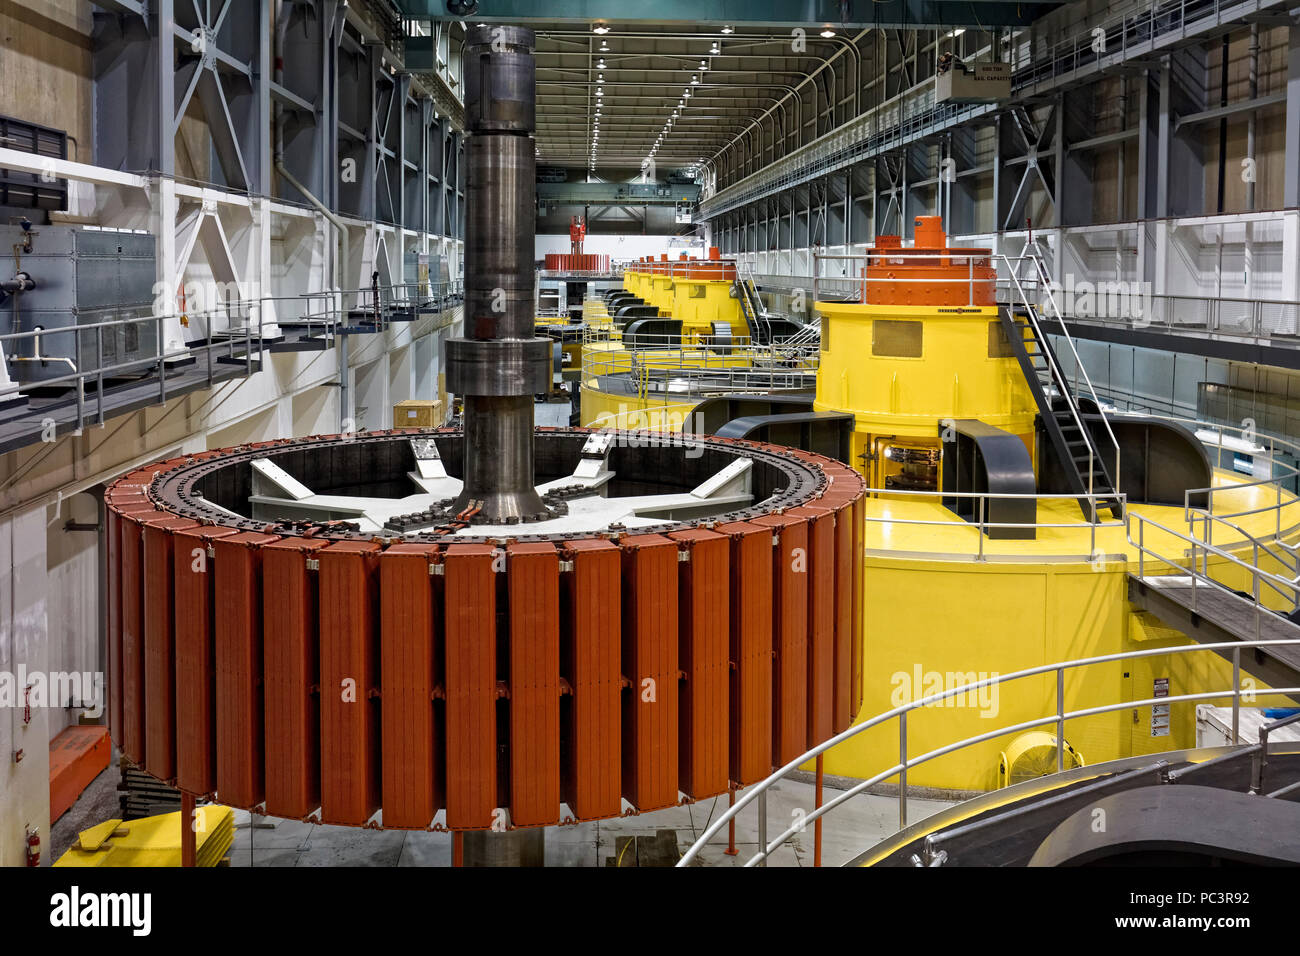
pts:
[660, 293]
[698, 303]
[903, 368]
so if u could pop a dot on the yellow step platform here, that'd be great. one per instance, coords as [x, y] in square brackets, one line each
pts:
[153, 841]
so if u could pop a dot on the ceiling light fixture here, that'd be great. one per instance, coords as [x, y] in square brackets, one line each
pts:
[828, 33]
[726, 30]
[600, 29]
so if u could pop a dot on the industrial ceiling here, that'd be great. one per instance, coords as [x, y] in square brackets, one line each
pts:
[614, 93]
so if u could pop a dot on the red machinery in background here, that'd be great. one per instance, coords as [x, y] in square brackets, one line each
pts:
[577, 232]
[576, 260]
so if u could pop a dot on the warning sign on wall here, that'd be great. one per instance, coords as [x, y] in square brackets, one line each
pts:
[1160, 712]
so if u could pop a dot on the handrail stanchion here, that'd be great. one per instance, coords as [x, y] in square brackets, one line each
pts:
[99, 373]
[162, 363]
[981, 530]
[731, 824]
[81, 386]
[762, 827]
[902, 773]
[1236, 694]
[817, 824]
[1195, 548]
[1060, 719]
[1254, 579]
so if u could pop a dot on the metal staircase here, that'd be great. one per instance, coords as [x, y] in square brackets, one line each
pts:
[751, 304]
[809, 335]
[1089, 467]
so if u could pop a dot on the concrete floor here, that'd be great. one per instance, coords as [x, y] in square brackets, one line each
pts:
[849, 829]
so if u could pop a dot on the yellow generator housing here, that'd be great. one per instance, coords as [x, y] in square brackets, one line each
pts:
[902, 370]
[703, 293]
[946, 604]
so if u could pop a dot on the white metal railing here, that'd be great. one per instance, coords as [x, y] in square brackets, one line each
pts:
[1061, 382]
[1059, 718]
[1278, 469]
[752, 304]
[1275, 548]
[1124, 303]
[862, 262]
[662, 366]
[982, 525]
[809, 335]
[1186, 564]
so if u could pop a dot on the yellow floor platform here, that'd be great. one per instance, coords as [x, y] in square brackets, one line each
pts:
[153, 841]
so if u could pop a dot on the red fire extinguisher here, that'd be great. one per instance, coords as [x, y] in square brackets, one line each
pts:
[33, 847]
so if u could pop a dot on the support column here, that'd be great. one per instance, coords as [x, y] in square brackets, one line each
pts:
[1291, 170]
[512, 848]
[189, 841]
[500, 365]
[1164, 138]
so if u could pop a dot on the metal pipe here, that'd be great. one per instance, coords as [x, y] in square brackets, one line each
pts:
[22, 282]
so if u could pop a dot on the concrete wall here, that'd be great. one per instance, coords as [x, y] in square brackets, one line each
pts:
[45, 66]
[24, 645]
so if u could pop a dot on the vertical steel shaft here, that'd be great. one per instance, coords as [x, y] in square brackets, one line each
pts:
[500, 365]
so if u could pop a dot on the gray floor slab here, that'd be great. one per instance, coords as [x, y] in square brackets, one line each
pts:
[854, 826]
[850, 829]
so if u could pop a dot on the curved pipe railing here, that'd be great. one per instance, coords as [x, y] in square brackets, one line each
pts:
[758, 792]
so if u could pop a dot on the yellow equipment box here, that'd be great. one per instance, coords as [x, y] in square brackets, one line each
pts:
[418, 413]
[154, 841]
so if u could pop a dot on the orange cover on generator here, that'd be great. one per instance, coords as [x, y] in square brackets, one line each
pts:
[789, 636]
[534, 572]
[238, 639]
[196, 672]
[77, 756]
[160, 643]
[291, 664]
[821, 621]
[751, 650]
[349, 677]
[705, 639]
[591, 660]
[471, 686]
[650, 663]
[410, 644]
